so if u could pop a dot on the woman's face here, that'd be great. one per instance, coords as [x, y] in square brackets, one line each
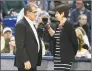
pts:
[12, 41]
[59, 16]
[83, 20]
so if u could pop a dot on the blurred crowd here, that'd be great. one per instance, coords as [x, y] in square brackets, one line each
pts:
[79, 16]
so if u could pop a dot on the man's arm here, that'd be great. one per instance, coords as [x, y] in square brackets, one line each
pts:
[20, 40]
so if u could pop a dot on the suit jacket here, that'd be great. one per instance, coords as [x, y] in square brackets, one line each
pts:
[68, 43]
[26, 45]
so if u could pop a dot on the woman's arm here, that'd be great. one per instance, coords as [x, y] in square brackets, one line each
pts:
[50, 30]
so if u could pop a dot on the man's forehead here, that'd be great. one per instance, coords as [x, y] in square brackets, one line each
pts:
[79, 1]
[34, 8]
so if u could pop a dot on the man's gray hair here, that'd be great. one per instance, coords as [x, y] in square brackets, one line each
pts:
[31, 0]
[28, 7]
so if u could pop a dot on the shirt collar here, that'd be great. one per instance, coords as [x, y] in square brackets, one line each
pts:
[83, 9]
[29, 21]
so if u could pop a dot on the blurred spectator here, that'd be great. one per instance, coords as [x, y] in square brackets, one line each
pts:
[12, 45]
[85, 37]
[43, 33]
[1, 17]
[25, 1]
[73, 5]
[2, 41]
[54, 3]
[3, 11]
[82, 47]
[1, 27]
[43, 4]
[82, 22]
[7, 34]
[1, 21]
[13, 7]
[87, 4]
[80, 9]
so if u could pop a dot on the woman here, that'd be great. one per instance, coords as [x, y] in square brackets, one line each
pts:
[82, 47]
[12, 45]
[66, 43]
[85, 37]
[82, 22]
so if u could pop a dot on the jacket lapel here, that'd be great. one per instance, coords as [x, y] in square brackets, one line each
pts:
[34, 32]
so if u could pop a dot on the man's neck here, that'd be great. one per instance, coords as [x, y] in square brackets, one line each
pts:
[83, 8]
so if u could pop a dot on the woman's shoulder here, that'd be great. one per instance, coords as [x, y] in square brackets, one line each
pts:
[68, 25]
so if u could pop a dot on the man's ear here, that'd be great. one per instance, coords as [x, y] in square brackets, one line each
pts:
[27, 13]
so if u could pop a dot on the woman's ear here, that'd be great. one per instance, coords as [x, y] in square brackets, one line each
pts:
[9, 43]
[63, 14]
[79, 20]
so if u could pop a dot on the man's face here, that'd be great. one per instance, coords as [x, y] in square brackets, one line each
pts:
[79, 4]
[33, 14]
[7, 34]
[59, 16]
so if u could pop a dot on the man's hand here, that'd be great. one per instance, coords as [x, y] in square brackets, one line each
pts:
[27, 65]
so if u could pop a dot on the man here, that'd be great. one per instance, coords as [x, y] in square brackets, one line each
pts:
[7, 32]
[29, 51]
[80, 9]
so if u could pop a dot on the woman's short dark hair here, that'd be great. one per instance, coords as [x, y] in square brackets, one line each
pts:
[63, 8]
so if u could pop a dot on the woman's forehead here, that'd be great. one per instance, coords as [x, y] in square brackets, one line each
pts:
[12, 38]
[84, 16]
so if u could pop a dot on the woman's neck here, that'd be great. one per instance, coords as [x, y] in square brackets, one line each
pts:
[62, 21]
[80, 24]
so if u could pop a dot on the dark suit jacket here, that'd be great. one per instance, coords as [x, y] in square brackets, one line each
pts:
[68, 43]
[26, 45]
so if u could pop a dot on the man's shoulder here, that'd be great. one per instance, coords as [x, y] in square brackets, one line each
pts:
[74, 10]
[88, 11]
[21, 22]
